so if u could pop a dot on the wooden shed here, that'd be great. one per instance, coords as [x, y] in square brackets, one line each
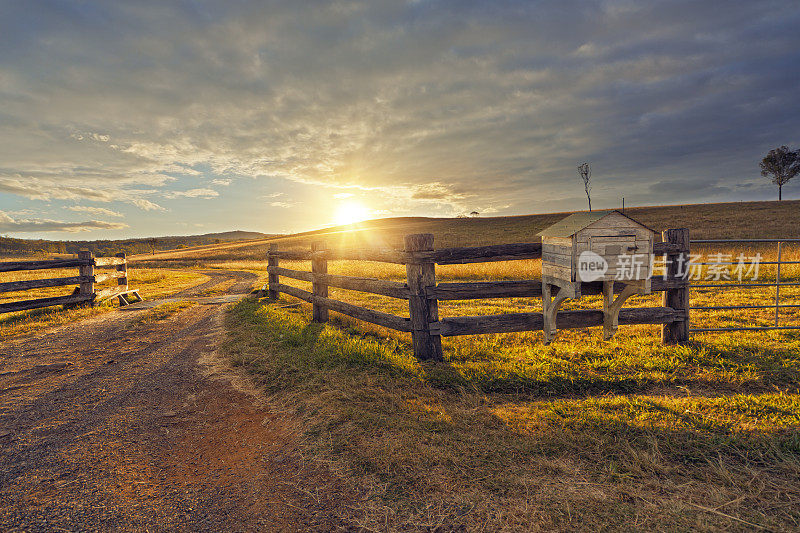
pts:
[605, 246]
[610, 234]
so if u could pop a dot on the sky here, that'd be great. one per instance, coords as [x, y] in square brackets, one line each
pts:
[131, 119]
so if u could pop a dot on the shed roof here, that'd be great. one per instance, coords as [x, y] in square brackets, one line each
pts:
[572, 224]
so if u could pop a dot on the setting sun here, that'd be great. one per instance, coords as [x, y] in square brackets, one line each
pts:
[350, 213]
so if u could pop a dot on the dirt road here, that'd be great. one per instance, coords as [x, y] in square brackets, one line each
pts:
[115, 423]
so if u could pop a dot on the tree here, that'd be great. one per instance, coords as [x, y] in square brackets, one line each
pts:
[781, 164]
[153, 242]
[474, 214]
[586, 175]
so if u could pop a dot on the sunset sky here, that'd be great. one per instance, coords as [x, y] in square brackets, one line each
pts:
[163, 118]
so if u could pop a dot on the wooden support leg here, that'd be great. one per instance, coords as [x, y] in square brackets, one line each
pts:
[611, 305]
[550, 308]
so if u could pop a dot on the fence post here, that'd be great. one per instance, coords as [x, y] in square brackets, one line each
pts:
[319, 266]
[87, 273]
[424, 311]
[272, 279]
[123, 280]
[677, 298]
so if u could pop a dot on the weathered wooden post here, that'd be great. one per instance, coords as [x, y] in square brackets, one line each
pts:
[319, 265]
[122, 281]
[424, 311]
[86, 272]
[272, 279]
[676, 295]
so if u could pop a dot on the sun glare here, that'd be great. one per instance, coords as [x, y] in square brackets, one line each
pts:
[350, 213]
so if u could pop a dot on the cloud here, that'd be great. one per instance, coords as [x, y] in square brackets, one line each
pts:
[221, 182]
[99, 211]
[192, 193]
[146, 205]
[343, 195]
[11, 225]
[426, 105]
[284, 205]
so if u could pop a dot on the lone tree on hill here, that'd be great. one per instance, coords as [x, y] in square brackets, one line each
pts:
[586, 175]
[781, 164]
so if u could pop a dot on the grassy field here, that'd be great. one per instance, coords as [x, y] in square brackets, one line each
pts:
[705, 221]
[511, 435]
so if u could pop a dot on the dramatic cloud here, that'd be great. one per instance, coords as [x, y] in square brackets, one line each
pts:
[11, 225]
[436, 107]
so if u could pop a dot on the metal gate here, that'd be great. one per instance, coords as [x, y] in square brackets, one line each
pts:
[777, 284]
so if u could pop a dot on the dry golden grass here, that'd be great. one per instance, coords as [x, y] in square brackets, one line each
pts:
[512, 435]
[705, 221]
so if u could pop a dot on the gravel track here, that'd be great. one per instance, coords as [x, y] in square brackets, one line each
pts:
[113, 424]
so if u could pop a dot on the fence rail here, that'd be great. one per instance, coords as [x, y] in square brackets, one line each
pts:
[86, 280]
[423, 293]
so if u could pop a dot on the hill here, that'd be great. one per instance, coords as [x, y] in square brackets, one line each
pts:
[705, 221]
[11, 246]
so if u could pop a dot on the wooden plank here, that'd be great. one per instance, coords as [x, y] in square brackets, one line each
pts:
[361, 313]
[484, 254]
[105, 294]
[105, 276]
[291, 255]
[109, 261]
[12, 286]
[24, 305]
[289, 273]
[530, 288]
[382, 256]
[557, 271]
[486, 289]
[446, 256]
[393, 289]
[565, 249]
[14, 266]
[584, 318]
[557, 259]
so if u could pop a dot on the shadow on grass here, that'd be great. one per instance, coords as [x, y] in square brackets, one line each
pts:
[579, 368]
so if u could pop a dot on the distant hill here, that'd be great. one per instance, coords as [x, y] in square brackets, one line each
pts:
[10, 246]
[238, 235]
[763, 220]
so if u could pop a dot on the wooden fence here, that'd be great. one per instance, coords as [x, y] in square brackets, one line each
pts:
[86, 291]
[423, 293]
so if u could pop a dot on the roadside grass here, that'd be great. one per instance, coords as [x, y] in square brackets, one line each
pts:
[151, 283]
[512, 435]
